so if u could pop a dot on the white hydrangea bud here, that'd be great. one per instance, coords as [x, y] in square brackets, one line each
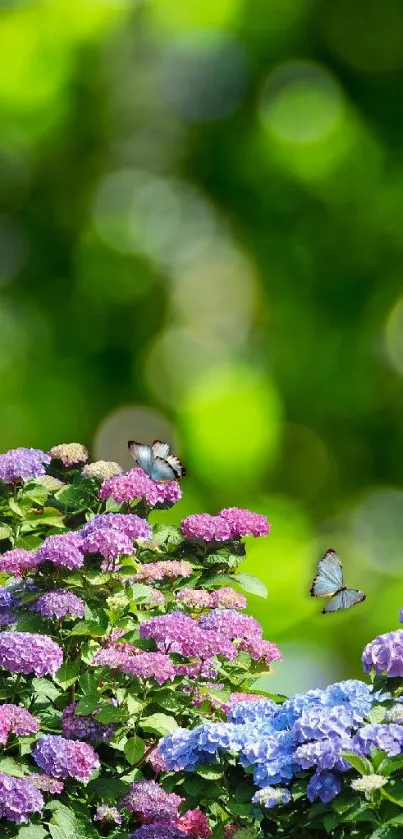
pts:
[369, 783]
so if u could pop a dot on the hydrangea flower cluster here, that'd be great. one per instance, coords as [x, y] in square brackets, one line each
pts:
[18, 561]
[151, 803]
[108, 542]
[385, 654]
[101, 470]
[168, 569]
[231, 523]
[106, 814]
[59, 604]
[22, 464]
[222, 598]
[62, 550]
[70, 454]
[75, 727]
[15, 720]
[19, 799]
[135, 484]
[131, 525]
[25, 652]
[62, 758]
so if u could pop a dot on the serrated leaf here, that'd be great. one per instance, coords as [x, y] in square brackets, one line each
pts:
[5, 531]
[87, 705]
[67, 674]
[111, 714]
[35, 492]
[15, 508]
[167, 534]
[107, 789]
[44, 688]
[390, 765]
[32, 831]
[251, 584]
[76, 496]
[159, 724]
[361, 764]
[134, 750]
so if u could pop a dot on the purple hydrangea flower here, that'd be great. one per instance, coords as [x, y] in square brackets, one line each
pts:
[24, 652]
[59, 604]
[323, 785]
[158, 830]
[136, 484]
[16, 720]
[18, 561]
[22, 463]
[109, 542]
[269, 797]
[104, 813]
[18, 799]
[8, 600]
[179, 633]
[231, 624]
[325, 754]
[385, 654]
[62, 549]
[387, 738]
[206, 527]
[133, 526]
[150, 802]
[63, 758]
[110, 657]
[169, 569]
[69, 453]
[261, 650]
[84, 727]
[149, 666]
[319, 723]
[46, 783]
[245, 523]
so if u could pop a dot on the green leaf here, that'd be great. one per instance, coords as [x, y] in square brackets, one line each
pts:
[159, 724]
[45, 689]
[5, 531]
[68, 674]
[111, 714]
[170, 700]
[138, 592]
[133, 705]
[134, 749]
[209, 772]
[88, 683]
[377, 713]
[107, 789]
[35, 492]
[167, 534]
[390, 765]
[10, 767]
[87, 704]
[15, 508]
[361, 764]
[251, 584]
[386, 832]
[32, 831]
[30, 622]
[96, 627]
[76, 496]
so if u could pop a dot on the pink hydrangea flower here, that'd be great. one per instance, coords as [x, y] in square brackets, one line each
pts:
[261, 650]
[169, 569]
[149, 666]
[62, 549]
[245, 523]
[195, 823]
[18, 561]
[63, 758]
[16, 720]
[194, 598]
[136, 484]
[109, 542]
[209, 528]
[227, 598]
[46, 783]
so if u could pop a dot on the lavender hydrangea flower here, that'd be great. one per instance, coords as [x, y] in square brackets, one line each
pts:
[150, 802]
[387, 738]
[110, 657]
[101, 470]
[149, 666]
[14, 719]
[261, 650]
[63, 758]
[323, 785]
[158, 830]
[245, 523]
[206, 527]
[22, 463]
[179, 633]
[231, 624]
[62, 549]
[385, 654]
[18, 799]
[59, 604]
[46, 783]
[109, 542]
[76, 727]
[18, 561]
[319, 723]
[69, 453]
[325, 754]
[104, 813]
[133, 526]
[24, 652]
[136, 484]
[269, 797]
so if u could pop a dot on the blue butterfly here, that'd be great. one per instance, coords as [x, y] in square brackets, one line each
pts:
[156, 460]
[329, 583]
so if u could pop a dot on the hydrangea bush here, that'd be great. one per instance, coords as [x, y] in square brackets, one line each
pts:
[127, 665]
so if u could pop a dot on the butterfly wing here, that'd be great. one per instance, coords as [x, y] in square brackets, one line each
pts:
[176, 465]
[344, 600]
[162, 471]
[160, 449]
[329, 579]
[143, 455]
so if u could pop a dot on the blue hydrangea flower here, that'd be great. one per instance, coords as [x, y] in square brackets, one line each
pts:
[386, 738]
[324, 754]
[323, 785]
[246, 712]
[318, 723]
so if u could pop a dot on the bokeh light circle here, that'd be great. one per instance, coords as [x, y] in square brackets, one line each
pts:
[301, 103]
[378, 528]
[394, 336]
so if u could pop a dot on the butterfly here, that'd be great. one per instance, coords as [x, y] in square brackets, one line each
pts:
[156, 460]
[329, 583]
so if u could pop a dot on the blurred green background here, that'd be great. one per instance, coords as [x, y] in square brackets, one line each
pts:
[201, 240]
